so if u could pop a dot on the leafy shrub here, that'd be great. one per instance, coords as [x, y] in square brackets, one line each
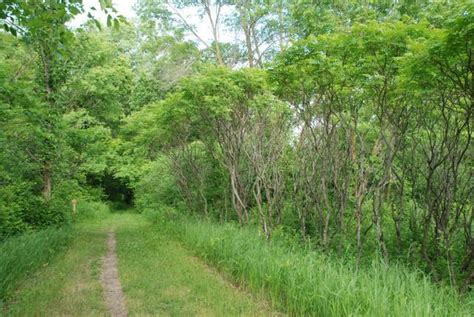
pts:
[162, 214]
[13, 209]
[157, 187]
[21, 210]
[92, 210]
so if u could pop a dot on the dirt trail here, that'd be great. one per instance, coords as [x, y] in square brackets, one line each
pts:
[113, 294]
[158, 277]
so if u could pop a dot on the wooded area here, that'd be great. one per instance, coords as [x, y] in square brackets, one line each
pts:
[344, 123]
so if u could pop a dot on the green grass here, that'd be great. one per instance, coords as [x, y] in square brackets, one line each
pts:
[161, 278]
[158, 276]
[162, 274]
[67, 284]
[67, 287]
[22, 255]
[304, 282]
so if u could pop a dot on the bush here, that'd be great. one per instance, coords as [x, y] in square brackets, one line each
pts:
[21, 210]
[16, 204]
[162, 214]
[92, 210]
[157, 187]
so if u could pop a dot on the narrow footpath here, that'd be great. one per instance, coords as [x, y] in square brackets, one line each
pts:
[113, 294]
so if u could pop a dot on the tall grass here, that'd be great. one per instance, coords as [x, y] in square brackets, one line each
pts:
[22, 255]
[301, 281]
[88, 211]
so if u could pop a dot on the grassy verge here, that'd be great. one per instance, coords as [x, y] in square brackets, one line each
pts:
[69, 286]
[40, 276]
[21, 256]
[161, 278]
[304, 282]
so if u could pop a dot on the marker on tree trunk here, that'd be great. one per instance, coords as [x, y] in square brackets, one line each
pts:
[74, 206]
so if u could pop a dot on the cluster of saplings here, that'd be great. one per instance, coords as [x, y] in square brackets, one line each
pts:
[360, 141]
[354, 132]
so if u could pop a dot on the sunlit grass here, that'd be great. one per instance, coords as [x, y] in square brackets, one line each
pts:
[69, 286]
[158, 275]
[305, 282]
[20, 256]
[55, 271]
[161, 278]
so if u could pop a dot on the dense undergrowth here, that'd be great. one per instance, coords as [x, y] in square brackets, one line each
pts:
[301, 281]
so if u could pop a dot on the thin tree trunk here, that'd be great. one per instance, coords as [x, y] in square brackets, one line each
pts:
[47, 181]
[47, 172]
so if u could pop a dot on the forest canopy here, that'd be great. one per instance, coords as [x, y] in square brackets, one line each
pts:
[347, 124]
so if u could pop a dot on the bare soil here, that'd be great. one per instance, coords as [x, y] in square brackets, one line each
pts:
[113, 295]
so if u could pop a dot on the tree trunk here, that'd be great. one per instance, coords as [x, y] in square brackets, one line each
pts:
[47, 181]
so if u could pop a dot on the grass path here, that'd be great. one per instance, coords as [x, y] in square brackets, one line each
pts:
[158, 277]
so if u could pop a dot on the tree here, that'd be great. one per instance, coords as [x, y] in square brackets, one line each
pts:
[43, 26]
[263, 24]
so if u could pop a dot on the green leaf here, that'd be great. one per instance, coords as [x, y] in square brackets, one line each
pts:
[102, 4]
[74, 10]
[97, 23]
[116, 24]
